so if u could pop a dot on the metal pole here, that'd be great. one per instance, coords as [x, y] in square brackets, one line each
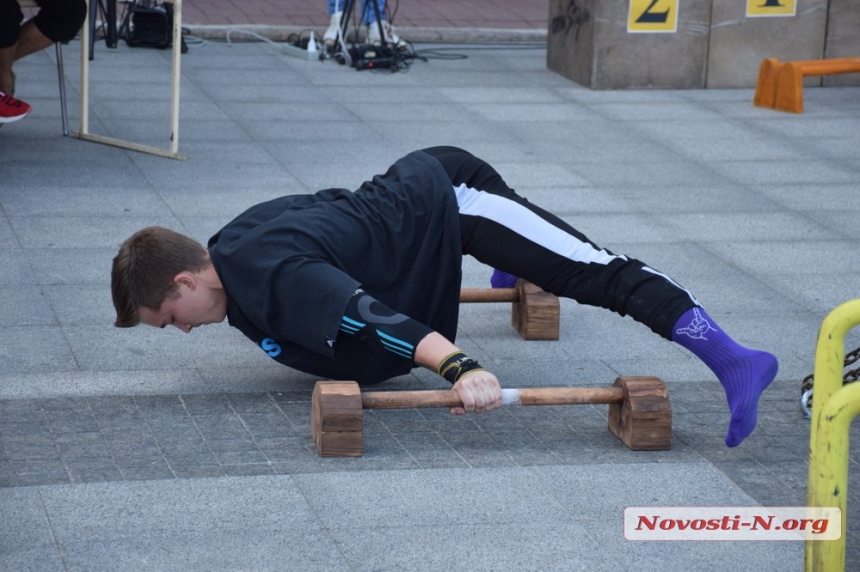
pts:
[833, 409]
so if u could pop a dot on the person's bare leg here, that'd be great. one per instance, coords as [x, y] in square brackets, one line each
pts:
[30, 40]
[7, 56]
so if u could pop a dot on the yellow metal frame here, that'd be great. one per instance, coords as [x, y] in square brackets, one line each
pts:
[84, 133]
[833, 408]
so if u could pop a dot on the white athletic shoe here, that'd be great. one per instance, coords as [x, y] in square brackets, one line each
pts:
[330, 36]
[393, 39]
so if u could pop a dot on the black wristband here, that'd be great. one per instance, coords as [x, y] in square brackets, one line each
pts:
[456, 366]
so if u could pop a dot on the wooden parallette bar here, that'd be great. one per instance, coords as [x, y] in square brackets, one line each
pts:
[488, 295]
[527, 397]
[534, 313]
[640, 413]
[780, 84]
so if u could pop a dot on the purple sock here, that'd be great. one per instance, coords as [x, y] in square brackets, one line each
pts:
[501, 279]
[744, 373]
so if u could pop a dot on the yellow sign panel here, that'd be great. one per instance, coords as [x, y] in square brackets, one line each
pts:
[653, 16]
[765, 8]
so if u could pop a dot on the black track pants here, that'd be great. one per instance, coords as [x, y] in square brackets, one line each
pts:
[505, 231]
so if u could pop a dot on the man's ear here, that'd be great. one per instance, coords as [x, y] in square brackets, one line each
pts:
[185, 279]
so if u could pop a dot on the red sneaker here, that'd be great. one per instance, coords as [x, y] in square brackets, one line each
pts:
[12, 109]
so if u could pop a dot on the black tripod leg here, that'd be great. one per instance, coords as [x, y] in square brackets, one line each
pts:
[110, 39]
[94, 10]
[348, 6]
[378, 15]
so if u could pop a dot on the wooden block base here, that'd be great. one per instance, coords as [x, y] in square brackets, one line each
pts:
[765, 89]
[337, 418]
[640, 415]
[643, 419]
[535, 314]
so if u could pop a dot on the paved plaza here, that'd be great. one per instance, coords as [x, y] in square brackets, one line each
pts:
[144, 449]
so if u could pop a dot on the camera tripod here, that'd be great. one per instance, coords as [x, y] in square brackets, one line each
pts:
[348, 8]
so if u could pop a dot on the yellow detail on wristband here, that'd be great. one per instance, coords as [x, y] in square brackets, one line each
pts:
[442, 364]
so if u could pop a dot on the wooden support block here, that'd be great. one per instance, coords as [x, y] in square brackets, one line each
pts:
[789, 88]
[337, 418]
[765, 89]
[535, 313]
[643, 419]
[780, 85]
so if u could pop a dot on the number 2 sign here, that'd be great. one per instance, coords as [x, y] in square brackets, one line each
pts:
[653, 16]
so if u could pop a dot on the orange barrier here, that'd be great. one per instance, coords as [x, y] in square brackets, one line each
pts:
[780, 84]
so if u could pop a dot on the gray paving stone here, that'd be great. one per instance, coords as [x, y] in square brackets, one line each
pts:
[7, 236]
[819, 294]
[229, 551]
[65, 201]
[15, 267]
[83, 232]
[103, 383]
[814, 257]
[23, 349]
[341, 500]
[495, 546]
[753, 148]
[714, 556]
[81, 304]
[25, 306]
[28, 544]
[811, 126]
[684, 129]
[32, 173]
[655, 111]
[98, 346]
[788, 172]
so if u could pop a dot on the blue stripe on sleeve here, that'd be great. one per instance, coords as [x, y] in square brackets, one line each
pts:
[396, 346]
[396, 349]
[358, 325]
[401, 343]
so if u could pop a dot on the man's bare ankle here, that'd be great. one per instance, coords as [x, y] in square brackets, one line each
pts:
[6, 82]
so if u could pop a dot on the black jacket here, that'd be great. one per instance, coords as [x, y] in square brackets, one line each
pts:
[289, 267]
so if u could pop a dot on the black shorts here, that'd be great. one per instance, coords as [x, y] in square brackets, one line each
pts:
[504, 230]
[57, 20]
